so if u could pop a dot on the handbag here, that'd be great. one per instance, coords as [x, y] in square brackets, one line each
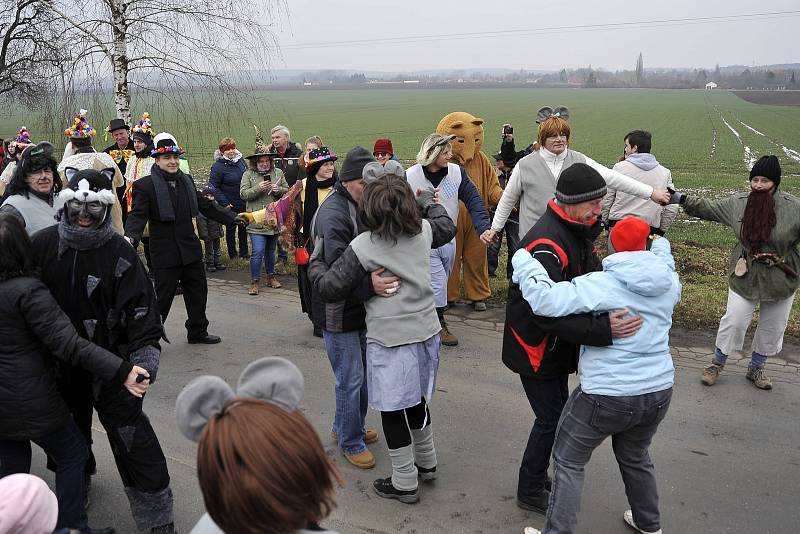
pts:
[301, 256]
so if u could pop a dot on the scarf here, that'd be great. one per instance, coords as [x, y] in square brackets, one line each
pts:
[311, 202]
[78, 239]
[758, 220]
[166, 211]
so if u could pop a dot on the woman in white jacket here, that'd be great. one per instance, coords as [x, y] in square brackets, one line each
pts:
[533, 181]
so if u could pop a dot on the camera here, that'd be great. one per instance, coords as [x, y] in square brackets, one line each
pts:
[508, 129]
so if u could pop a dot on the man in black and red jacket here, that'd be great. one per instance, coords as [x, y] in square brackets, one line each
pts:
[542, 350]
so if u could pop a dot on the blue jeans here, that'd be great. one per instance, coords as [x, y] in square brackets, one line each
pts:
[586, 422]
[263, 246]
[67, 450]
[347, 352]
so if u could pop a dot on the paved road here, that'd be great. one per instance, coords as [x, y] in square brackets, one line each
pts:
[728, 457]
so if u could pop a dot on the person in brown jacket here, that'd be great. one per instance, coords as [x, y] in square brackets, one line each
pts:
[470, 247]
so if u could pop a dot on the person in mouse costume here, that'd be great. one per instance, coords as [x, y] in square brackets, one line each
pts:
[260, 463]
[470, 249]
[98, 280]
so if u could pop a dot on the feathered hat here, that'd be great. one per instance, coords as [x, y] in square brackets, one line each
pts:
[81, 129]
[23, 137]
[262, 149]
[144, 129]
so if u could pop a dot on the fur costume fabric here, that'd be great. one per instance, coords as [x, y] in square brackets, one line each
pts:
[470, 250]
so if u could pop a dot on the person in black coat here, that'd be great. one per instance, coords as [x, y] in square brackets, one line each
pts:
[542, 350]
[35, 330]
[100, 283]
[168, 201]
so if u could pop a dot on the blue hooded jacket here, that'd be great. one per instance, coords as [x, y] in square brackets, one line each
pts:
[644, 282]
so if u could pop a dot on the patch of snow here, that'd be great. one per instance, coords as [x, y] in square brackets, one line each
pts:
[750, 157]
[752, 129]
[791, 154]
[731, 129]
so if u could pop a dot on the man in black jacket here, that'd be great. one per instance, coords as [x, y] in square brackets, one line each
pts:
[168, 201]
[121, 151]
[544, 351]
[343, 323]
[100, 283]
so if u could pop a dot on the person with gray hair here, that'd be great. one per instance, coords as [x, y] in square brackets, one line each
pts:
[288, 153]
[451, 185]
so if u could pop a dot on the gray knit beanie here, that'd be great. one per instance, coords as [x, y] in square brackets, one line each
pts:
[354, 163]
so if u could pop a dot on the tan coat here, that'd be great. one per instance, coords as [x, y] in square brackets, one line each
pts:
[617, 205]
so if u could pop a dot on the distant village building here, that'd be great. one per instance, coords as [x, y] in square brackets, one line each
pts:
[711, 85]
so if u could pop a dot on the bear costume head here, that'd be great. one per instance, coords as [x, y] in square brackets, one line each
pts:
[468, 130]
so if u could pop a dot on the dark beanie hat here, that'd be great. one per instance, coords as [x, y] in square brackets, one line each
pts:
[579, 183]
[768, 167]
[354, 162]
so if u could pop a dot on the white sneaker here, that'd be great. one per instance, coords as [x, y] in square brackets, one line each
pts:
[531, 530]
[628, 517]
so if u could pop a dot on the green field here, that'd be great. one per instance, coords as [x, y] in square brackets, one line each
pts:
[690, 136]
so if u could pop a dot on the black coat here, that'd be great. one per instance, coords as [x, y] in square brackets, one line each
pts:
[172, 243]
[337, 224]
[547, 347]
[33, 330]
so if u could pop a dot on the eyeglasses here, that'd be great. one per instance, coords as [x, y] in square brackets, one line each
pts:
[382, 155]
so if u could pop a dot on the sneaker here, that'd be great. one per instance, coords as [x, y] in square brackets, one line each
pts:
[426, 474]
[220, 266]
[280, 266]
[531, 530]
[627, 516]
[370, 436]
[272, 281]
[479, 305]
[253, 288]
[759, 377]
[711, 373]
[362, 460]
[211, 268]
[447, 338]
[384, 488]
[534, 503]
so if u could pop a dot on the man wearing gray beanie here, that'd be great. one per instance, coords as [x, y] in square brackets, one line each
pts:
[343, 323]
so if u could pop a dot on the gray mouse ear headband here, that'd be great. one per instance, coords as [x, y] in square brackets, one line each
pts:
[272, 380]
[547, 112]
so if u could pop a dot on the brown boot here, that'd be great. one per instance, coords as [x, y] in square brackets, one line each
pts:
[447, 338]
[272, 282]
[253, 288]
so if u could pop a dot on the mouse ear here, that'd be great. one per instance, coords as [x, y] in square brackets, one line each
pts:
[202, 398]
[274, 380]
[561, 111]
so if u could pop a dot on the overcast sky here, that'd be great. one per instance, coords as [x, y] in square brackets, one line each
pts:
[533, 34]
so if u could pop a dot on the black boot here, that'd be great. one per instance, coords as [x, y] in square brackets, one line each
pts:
[164, 529]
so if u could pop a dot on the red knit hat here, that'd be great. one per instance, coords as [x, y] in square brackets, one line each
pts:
[383, 146]
[630, 234]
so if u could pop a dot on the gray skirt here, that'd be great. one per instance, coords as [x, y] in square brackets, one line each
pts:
[398, 377]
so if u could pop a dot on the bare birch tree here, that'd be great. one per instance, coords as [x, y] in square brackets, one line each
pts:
[30, 47]
[168, 47]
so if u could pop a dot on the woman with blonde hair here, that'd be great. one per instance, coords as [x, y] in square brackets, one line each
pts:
[451, 185]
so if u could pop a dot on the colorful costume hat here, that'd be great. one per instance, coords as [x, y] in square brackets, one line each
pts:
[144, 127]
[23, 137]
[165, 143]
[81, 129]
[262, 149]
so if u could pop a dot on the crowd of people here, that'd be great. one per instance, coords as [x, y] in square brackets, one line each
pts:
[381, 253]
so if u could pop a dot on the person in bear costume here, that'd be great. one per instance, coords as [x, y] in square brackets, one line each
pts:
[470, 248]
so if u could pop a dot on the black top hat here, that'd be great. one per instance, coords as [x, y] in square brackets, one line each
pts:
[117, 124]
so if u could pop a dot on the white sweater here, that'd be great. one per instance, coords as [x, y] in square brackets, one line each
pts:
[519, 184]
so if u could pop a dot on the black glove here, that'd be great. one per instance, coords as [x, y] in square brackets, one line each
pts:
[241, 221]
[677, 197]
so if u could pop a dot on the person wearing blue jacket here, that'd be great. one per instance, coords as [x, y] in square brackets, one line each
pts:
[226, 179]
[626, 387]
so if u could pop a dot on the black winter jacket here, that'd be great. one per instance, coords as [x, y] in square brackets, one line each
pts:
[337, 224]
[33, 330]
[547, 347]
[332, 282]
[172, 243]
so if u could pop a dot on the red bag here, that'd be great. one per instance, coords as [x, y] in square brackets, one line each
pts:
[301, 256]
